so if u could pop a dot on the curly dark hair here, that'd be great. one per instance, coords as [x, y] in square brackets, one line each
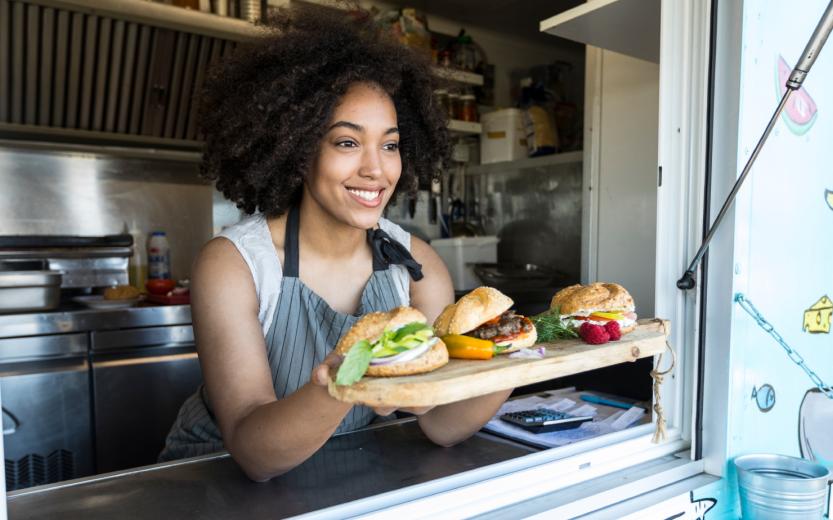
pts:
[264, 110]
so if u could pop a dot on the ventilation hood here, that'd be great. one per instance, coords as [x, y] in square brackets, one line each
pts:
[107, 71]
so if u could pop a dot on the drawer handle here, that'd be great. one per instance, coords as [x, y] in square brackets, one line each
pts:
[15, 420]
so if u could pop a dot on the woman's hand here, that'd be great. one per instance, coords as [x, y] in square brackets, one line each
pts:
[320, 376]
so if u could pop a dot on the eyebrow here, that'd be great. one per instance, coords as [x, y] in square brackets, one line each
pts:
[359, 128]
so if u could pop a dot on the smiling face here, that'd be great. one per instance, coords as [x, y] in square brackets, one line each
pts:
[358, 162]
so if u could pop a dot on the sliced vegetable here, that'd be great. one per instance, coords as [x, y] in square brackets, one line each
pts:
[355, 363]
[393, 346]
[607, 315]
[405, 355]
[467, 347]
[412, 329]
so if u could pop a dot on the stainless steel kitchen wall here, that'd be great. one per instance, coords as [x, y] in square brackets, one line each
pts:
[536, 212]
[71, 193]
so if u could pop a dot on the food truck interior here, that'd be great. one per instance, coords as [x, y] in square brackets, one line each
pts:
[98, 139]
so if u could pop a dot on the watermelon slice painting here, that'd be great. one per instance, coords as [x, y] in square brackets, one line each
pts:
[801, 111]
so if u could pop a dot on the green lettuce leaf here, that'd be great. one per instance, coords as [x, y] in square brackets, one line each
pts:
[355, 363]
[407, 330]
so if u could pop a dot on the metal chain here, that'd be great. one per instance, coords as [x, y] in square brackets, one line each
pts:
[796, 358]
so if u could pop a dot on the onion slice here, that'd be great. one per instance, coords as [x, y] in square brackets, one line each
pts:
[407, 355]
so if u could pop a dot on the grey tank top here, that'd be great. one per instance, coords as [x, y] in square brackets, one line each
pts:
[302, 330]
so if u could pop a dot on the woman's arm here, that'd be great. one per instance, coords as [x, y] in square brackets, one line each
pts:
[266, 436]
[455, 422]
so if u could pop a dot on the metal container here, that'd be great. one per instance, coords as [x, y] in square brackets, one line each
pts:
[778, 487]
[29, 290]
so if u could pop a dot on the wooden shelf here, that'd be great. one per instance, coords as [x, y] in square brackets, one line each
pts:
[626, 26]
[529, 163]
[464, 127]
[459, 76]
[462, 379]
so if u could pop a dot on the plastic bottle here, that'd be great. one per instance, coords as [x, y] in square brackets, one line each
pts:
[159, 256]
[137, 267]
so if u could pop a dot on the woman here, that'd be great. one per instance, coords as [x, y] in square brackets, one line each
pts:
[312, 131]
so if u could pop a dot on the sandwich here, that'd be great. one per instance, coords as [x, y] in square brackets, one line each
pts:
[394, 343]
[485, 313]
[597, 303]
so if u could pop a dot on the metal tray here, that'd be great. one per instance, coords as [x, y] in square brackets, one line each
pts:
[518, 275]
[29, 290]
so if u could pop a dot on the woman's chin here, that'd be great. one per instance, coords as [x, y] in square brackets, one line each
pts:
[365, 219]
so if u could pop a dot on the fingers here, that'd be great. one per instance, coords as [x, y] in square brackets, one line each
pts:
[384, 410]
[320, 374]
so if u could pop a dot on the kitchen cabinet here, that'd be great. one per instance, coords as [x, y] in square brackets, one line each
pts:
[629, 27]
[46, 409]
[140, 378]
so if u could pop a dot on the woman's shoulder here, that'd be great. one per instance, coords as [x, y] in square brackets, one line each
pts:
[396, 232]
[253, 240]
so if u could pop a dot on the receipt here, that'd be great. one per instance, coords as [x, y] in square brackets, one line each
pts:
[627, 418]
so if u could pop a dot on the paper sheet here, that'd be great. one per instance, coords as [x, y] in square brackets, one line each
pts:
[606, 419]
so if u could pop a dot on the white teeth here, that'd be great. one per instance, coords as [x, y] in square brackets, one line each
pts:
[366, 195]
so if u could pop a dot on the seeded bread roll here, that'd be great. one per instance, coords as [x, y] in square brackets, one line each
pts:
[471, 311]
[372, 325]
[476, 308]
[582, 300]
[578, 299]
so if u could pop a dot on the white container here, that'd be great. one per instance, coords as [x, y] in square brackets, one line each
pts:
[159, 256]
[459, 255]
[503, 137]
[137, 267]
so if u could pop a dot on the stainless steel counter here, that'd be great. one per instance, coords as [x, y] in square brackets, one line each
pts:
[349, 467]
[82, 320]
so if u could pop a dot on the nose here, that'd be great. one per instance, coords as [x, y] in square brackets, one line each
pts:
[371, 166]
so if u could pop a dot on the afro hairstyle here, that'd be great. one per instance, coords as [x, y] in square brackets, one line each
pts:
[264, 110]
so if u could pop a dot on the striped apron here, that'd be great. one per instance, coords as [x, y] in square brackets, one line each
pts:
[304, 330]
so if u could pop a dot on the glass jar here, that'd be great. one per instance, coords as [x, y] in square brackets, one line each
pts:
[468, 108]
[443, 101]
[454, 106]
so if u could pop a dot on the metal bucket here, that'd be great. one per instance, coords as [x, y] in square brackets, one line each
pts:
[777, 487]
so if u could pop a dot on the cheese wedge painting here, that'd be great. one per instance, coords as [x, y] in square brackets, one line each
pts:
[817, 318]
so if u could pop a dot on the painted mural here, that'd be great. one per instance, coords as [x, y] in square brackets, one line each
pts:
[783, 249]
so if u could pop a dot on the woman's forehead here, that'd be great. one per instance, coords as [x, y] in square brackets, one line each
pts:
[365, 101]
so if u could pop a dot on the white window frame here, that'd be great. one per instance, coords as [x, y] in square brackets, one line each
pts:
[684, 78]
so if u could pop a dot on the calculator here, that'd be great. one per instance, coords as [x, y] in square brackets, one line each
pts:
[544, 420]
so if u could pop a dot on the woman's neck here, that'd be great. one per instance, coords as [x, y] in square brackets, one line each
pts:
[320, 231]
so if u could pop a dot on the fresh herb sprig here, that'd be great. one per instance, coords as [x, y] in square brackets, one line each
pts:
[551, 327]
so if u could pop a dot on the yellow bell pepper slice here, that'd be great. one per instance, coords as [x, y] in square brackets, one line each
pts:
[468, 347]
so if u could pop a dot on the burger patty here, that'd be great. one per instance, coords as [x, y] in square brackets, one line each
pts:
[507, 324]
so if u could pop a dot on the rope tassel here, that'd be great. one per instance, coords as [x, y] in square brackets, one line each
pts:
[660, 433]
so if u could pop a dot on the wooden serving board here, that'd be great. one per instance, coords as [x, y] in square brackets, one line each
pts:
[462, 379]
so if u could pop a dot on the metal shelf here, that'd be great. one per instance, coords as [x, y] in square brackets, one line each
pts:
[464, 127]
[626, 26]
[459, 76]
[530, 163]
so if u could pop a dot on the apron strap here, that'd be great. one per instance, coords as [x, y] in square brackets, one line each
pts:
[290, 244]
[386, 250]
